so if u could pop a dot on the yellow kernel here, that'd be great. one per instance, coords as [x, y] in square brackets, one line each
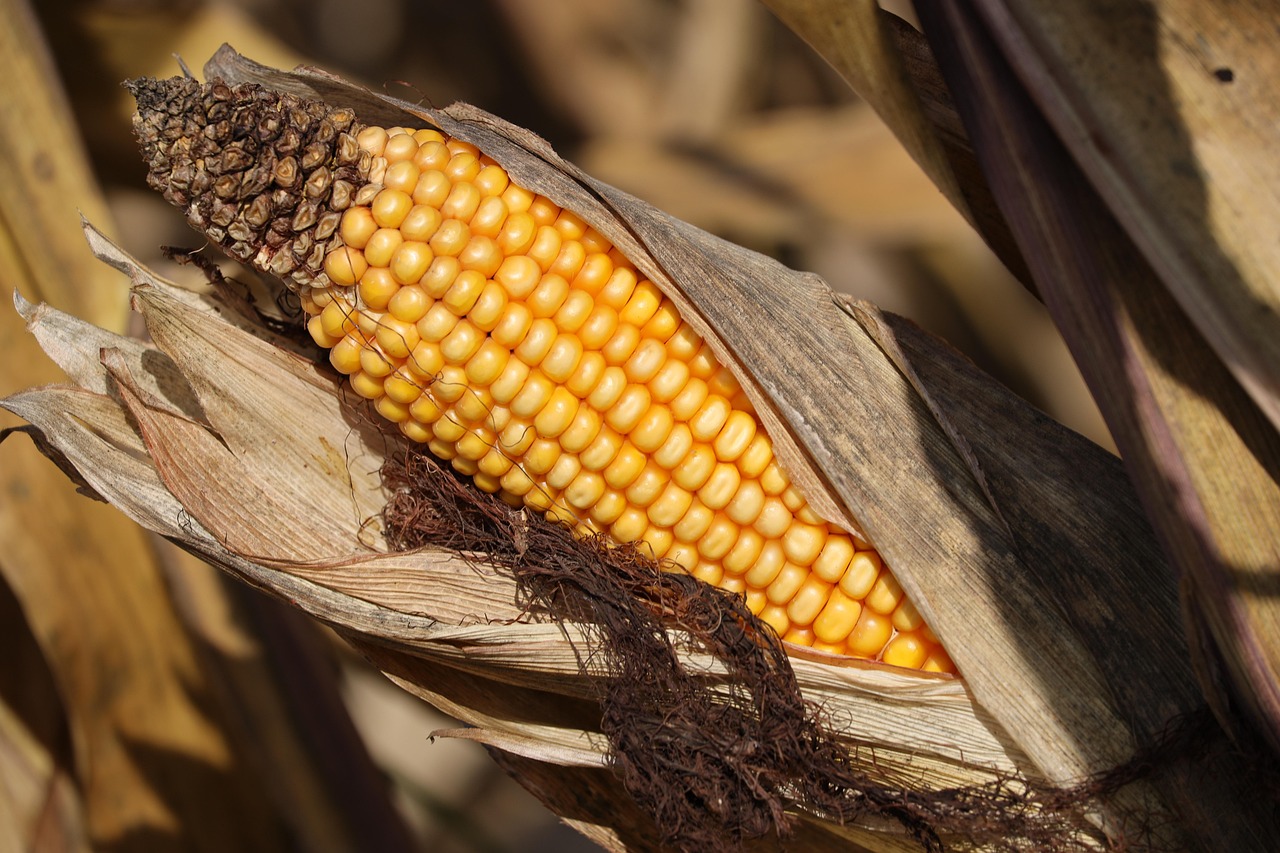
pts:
[803, 542]
[632, 405]
[906, 650]
[670, 506]
[831, 562]
[653, 427]
[756, 458]
[322, 338]
[582, 431]
[756, 602]
[693, 525]
[861, 575]
[570, 260]
[642, 305]
[937, 661]
[415, 431]
[474, 445]
[357, 227]
[593, 274]
[710, 418]
[774, 519]
[599, 327]
[608, 390]
[489, 218]
[646, 361]
[724, 383]
[537, 342]
[545, 248]
[548, 296]
[591, 368]
[564, 472]
[669, 380]
[517, 234]
[745, 552]
[373, 140]
[838, 617]
[585, 490]
[464, 166]
[562, 359]
[337, 319]
[437, 323]
[721, 486]
[689, 401]
[767, 566]
[402, 387]
[375, 363]
[425, 410]
[625, 467]
[684, 343]
[544, 210]
[369, 387]
[798, 635]
[608, 508]
[440, 276]
[519, 275]
[870, 634]
[684, 557]
[516, 438]
[696, 468]
[574, 311]
[396, 337]
[570, 225]
[809, 600]
[484, 482]
[664, 322]
[646, 487]
[382, 246]
[488, 363]
[793, 499]
[410, 260]
[409, 303]
[618, 289]
[906, 617]
[345, 265]
[556, 416]
[450, 385]
[402, 176]
[734, 437]
[390, 207]
[450, 238]
[492, 181]
[541, 456]
[426, 360]
[345, 356]
[704, 363]
[513, 325]
[630, 526]
[776, 618]
[594, 241]
[602, 451]
[432, 188]
[533, 396]
[788, 582]
[746, 504]
[487, 309]
[773, 481]
[400, 147]
[431, 154]
[675, 448]
[482, 255]
[622, 344]
[719, 538]
[462, 343]
[885, 595]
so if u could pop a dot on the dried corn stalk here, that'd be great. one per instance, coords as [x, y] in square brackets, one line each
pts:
[1020, 542]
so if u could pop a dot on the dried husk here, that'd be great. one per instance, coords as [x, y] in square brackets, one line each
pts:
[1021, 543]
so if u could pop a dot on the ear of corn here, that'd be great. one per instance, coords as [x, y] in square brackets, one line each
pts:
[513, 340]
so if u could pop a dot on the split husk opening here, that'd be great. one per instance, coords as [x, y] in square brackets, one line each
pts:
[1021, 543]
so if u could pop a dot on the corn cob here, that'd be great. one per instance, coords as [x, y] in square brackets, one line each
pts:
[512, 339]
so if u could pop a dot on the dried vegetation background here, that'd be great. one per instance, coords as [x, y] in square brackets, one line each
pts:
[147, 704]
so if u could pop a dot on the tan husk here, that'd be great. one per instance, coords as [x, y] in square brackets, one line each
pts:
[1020, 542]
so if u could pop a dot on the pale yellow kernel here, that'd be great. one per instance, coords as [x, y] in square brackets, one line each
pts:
[463, 293]
[669, 380]
[544, 210]
[599, 327]
[861, 575]
[357, 227]
[646, 487]
[905, 650]
[937, 661]
[774, 519]
[870, 634]
[488, 307]
[631, 406]
[541, 456]
[906, 617]
[432, 188]
[710, 418]
[696, 468]
[396, 337]
[345, 265]
[684, 343]
[885, 594]
[426, 360]
[594, 274]
[646, 361]
[721, 486]
[651, 430]
[689, 401]
[484, 481]
[570, 225]
[704, 363]
[400, 148]
[517, 483]
[533, 396]
[489, 218]
[670, 506]
[642, 305]
[675, 448]
[369, 387]
[585, 490]
[440, 276]
[498, 417]
[431, 154]
[773, 481]
[322, 338]
[556, 416]
[410, 260]
[608, 508]
[390, 207]
[482, 255]
[684, 557]
[808, 516]
[513, 325]
[757, 457]
[518, 275]
[625, 467]
[798, 635]
[367, 322]
[793, 499]
[755, 600]
[492, 181]
[549, 294]
[373, 140]
[719, 538]
[451, 384]
[734, 437]
[516, 438]
[570, 260]
[425, 410]
[704, 570]
[541, 498]
[582, 431]
[775, 617]
[809, 600]
[518, 198]
[630, 526]
[618, 289]
[562, 359]
[621, 345]
[594, 241]
[345, 356]
[437, 323]
[767, 565]
[602, 451]
[374, 362]
[450, 238]
[337, 319]
[488, 362]
[545, 248]
[475, 444]
[415, 431]
[537, 342]
[564, 472]
[746, 504]
[409, 303]
[608, 390]
[803, 542]
[591, 368]
[517, 234]
[402, 387]
[464, 166]
[831, 562]
[655, 542]
[402, 176]
[574, 311]
[745, 552]
[835, 623]
[788, 582]
[693, 525]
[664, 322]
[441, 449]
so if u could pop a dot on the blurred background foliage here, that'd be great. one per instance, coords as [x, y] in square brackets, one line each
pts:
[144, 703]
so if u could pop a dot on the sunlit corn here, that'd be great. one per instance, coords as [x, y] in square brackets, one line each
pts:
[516, 342]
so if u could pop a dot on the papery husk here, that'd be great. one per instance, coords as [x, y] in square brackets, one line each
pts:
[1020, 542]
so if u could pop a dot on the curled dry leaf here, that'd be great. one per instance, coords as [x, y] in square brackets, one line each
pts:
[1020, 542]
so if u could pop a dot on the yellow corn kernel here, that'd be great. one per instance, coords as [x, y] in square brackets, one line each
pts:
[906, 650]
[870, 634]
